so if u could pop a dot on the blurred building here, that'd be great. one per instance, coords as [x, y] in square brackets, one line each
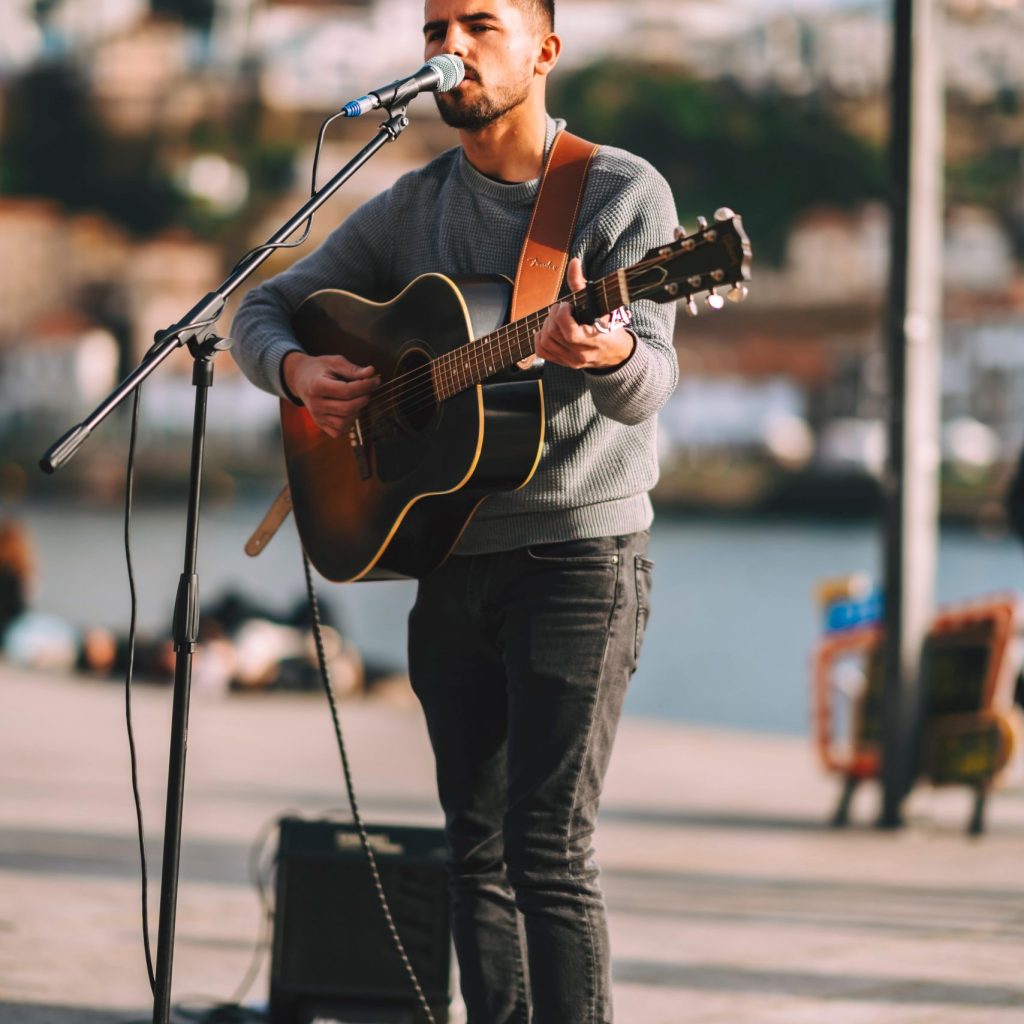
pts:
[80, 301]
[137, 74]
[165, 277]
[983, 373]
[847, 50]
[33, 254]
[54, 370]
[837, 257]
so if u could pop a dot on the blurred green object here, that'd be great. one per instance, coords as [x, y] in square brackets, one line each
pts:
[54, 144]
[771, 154]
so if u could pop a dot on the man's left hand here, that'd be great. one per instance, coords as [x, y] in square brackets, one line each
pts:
[563, 341]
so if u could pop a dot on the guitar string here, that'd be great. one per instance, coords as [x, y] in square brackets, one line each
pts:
[424, 393]
[502, 334]
[633, 272]
[419, 386]
[636, 270]
[424, 387]
[447, 360]
[477, 356]
[382, 426]
[422, 397]
[381, 414]
[519, 334]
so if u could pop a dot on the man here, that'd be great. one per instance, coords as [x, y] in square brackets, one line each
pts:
[521, 645]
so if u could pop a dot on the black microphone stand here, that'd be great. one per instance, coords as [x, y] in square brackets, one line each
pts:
[195, 329]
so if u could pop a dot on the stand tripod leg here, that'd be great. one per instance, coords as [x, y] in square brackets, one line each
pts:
[841, 818]
[976, 827]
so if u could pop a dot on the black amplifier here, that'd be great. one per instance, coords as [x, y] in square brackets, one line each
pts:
[333, 960]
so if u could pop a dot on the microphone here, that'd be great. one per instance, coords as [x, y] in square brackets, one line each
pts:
[439, 74]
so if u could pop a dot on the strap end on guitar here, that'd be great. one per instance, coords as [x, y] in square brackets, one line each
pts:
[270, 523]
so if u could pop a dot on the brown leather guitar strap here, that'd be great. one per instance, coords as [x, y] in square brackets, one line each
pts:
[545, 252]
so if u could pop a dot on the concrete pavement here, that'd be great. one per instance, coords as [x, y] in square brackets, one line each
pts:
[729, 901]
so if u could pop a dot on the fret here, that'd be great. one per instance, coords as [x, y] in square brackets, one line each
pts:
[450, 375]
[477, 360]
[607, 284]
[439, 375]
[623, 287]
[435, 378]
[449, 378]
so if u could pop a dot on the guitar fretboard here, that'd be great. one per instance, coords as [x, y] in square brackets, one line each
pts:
[476, 361]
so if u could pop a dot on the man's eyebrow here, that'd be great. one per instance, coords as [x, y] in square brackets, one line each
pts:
[432, 26]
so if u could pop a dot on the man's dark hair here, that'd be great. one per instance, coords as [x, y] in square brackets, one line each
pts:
[544, 9]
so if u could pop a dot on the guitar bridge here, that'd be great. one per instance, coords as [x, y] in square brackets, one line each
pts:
[355, 437]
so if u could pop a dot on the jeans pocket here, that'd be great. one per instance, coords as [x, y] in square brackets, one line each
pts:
[643, 573]
[590, 551]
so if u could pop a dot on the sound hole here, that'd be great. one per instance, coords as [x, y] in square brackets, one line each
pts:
[401, 438]
[414, 403]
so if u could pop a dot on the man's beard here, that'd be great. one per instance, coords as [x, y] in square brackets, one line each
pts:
[472, 115]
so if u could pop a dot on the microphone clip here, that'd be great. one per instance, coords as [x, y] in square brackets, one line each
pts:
[397, 121]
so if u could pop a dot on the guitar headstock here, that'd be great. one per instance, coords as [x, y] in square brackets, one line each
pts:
[715, 256]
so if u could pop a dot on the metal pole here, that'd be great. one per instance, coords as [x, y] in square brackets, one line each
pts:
[186, 636]
[913, 332]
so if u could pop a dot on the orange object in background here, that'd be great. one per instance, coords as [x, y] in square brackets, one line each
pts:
[970, 664]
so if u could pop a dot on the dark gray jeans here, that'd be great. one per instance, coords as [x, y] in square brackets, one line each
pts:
[521, 661]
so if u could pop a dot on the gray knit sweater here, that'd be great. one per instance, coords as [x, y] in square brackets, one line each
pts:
[599, 459]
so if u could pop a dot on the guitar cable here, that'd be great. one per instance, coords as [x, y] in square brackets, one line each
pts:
[357, 818]
[272, 246]
[204, 1009]
[129, 678]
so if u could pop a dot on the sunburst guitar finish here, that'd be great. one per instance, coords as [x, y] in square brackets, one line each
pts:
[391, 498]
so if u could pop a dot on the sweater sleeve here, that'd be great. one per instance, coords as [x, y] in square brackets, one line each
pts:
[355, 257]
[639, 219]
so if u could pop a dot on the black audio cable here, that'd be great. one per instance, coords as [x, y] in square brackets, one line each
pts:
[357, 818]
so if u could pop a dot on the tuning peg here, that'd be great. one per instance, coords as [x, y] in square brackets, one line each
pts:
[737, 293]
[702, 223]
[714, 300]
[690, 305]
[724, 213]
[679, 232]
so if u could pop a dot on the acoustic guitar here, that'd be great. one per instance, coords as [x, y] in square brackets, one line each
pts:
[454, 419]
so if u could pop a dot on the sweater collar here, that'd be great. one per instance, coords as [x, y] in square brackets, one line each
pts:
[518, 193]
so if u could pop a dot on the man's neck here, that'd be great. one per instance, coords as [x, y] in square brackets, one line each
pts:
[512, 148]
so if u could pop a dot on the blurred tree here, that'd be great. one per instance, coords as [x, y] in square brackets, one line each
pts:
[42, 9]
[54, 144]
[195, 13]
[986, 165]
[768, 156]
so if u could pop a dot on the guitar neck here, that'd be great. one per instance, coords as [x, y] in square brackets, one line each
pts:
[482, 358]
[716, 255]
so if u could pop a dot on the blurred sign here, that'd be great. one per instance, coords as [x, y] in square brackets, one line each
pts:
[969, 667]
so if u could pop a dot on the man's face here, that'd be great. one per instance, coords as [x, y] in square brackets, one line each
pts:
[499, 42]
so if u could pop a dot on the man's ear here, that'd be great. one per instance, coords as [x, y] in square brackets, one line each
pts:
[547, 58]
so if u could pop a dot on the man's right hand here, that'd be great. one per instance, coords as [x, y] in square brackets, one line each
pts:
[333, 389]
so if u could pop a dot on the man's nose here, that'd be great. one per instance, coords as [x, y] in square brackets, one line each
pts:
[455, 41]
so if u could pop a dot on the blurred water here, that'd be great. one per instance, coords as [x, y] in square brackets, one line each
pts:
[733, 619]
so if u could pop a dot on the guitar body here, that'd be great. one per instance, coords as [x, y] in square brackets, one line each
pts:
[395, 504]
